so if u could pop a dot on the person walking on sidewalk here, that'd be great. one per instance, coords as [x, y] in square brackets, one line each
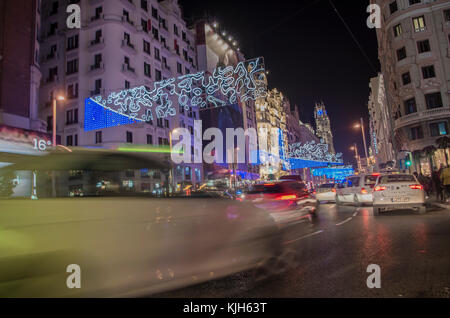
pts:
[437, 184]
[445, 177]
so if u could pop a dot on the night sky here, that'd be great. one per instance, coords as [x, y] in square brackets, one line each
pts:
[309, 52]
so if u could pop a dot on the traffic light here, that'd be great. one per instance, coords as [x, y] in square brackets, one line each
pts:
[408, 161]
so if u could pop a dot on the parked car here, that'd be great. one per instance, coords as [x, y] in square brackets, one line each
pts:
[357, 190]
[326, 192]
[398, 191]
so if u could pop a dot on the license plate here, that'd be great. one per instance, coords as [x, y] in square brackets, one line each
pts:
[403, 199]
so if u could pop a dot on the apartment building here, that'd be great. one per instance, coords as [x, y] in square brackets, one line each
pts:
[415, 60]
[122, 44]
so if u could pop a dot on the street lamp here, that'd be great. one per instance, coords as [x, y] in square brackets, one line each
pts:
[355, 148]
[361, 125]
[59, 98]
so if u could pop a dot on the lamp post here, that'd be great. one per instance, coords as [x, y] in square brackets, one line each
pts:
[355, 148]
[59, 98]
[361, 125]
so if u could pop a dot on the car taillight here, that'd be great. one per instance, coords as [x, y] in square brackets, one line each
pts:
[333, 190]
[416, 186]
[286, 197]
[379, 188]
[363, 191]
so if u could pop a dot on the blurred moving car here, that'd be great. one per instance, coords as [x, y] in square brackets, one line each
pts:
[326, 192]
[398, 191]
[127, 244]
[357, 190]
[285, 200]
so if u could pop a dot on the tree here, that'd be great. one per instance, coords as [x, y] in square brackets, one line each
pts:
[444, 143]
[7, 184]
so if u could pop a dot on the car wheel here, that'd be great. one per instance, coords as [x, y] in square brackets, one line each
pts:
[422, 210]
[376, 211]
[357, 203]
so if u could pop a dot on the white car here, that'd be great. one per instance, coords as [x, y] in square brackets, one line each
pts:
[398, 191]
[357, 190]
[326, 192]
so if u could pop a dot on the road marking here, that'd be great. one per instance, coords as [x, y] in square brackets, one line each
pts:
[303, 237]
[349, 219]
[355, 214]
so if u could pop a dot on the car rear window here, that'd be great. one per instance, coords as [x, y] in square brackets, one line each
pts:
[397, 178]
[265, 188]
[370, 180]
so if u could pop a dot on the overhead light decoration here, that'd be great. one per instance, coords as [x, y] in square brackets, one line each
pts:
[215, 24]
[234, 43]
[224, 33]
[226, 86]
[313, 151]
[230, 38]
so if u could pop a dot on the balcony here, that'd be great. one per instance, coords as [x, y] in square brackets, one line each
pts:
[97, 69]
[429, 114]
[129, 47]
[51, 56]
[97, 92]
[127, 69]
[97, 44]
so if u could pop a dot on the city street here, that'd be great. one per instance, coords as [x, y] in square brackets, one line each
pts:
[335, 250]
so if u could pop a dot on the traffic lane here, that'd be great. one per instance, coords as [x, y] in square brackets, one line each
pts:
[411, 250]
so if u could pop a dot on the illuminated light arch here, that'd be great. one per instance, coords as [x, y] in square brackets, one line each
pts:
[225, 86]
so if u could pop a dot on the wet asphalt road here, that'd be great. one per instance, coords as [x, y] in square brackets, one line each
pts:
[335, 248]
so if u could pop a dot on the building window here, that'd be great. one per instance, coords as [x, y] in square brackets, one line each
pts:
[158, 76]
[179, 68]
[166, 123]
[416, 133]
[147, 70]
[144, 25]
[423, 46]
[412, 2]
[149, 140]
[447, 15]
[428, 72]
[419, 24]
[127, 85]
[439, 129]
[72, 67]
[433, 100]
[72, 91]
[98, 137]
[406, 78]
[129, 137]
[72, 117]
[147, 47]
[98, 86]
[159, 123]
[393, 7]
[175, 30]
[157, 55]
[69, 141]
[72, 42]
[154, 13]
[398, 30]
[144, 5]
[410, 106]
[401, 54]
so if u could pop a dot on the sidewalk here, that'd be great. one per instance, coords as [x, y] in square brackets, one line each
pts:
[434, 202]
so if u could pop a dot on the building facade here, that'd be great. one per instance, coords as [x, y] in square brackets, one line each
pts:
[415, 61]
[323, 126]
[122, 44]
[218, 49]
[20, 74]
[381, 149]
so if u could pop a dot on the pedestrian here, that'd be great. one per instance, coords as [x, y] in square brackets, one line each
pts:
[445, 178]
[437, 184]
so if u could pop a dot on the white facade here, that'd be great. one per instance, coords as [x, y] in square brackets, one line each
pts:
[415, 60]
[380, 125]
[122, 44]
